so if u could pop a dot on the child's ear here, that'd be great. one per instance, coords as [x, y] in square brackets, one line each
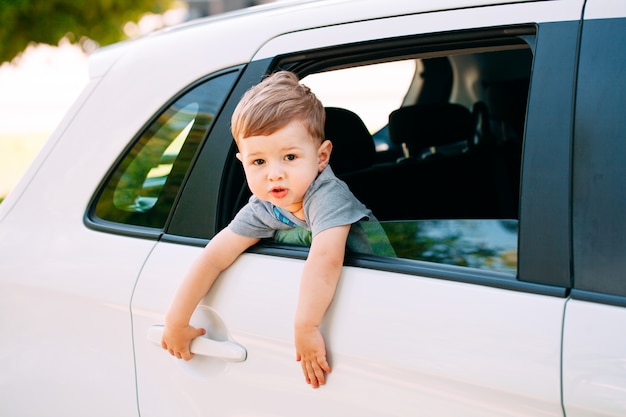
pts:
[323, 154]
[238, 155]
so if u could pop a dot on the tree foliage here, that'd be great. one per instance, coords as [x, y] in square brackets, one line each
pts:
[47, 21]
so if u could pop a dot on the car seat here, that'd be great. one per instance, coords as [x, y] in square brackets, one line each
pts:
[422, 129]
[353, 145]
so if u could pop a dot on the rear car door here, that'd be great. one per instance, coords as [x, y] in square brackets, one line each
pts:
[404, 335]
[594, 345]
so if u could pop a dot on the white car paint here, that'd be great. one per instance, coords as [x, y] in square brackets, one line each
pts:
[594, 360]
[397, 344]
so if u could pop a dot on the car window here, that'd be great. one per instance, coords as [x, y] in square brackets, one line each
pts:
[446, 189]
[142, 188]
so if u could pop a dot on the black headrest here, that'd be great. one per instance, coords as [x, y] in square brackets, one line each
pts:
[353, 146]
[507, 107]
[424, 125]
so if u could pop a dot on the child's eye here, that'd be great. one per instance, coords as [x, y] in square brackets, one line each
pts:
[258, 162]
[290, 157]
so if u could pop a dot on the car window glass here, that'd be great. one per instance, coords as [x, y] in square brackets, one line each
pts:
[483, 244]
[143, 187]
[143, 179]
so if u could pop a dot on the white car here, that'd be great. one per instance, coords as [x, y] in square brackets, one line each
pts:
[487, 136]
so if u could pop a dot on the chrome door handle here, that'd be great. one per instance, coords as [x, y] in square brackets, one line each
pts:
[203, 346]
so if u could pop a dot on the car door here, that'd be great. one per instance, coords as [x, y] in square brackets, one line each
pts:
[404, 336]
[594, 345]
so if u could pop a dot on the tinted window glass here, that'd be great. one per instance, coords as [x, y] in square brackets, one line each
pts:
[483, 244]
[144, 185]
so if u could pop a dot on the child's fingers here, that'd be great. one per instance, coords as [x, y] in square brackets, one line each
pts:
[318, 378]
[321, 367]
[179, 346]
[324, 365]
[314, 372]
[186, 355]
[305, 371]
[312, 375]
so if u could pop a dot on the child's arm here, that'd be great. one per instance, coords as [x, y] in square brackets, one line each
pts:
[317, 288]
[218, 255]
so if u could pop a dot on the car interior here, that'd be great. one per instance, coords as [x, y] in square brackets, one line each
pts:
[450, 160]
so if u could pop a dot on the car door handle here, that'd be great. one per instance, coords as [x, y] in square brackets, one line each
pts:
[203, 346]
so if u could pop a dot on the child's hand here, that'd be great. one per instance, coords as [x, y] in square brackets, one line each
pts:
[176, 340]
[311, 353]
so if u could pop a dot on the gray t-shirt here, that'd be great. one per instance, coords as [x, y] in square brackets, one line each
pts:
[327, 203]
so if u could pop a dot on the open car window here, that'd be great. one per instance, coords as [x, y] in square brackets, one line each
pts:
[432, 144]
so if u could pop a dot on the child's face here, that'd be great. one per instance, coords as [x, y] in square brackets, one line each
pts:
[280, 167]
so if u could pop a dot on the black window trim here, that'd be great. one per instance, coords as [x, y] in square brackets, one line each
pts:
[545, 204]
[598, 298]
[597, 219]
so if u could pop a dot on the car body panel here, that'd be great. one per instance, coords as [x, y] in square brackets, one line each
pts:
[429, 330]
[69, 286]
[594, 359]
[604, 9]
[44, 152]
[69, 305]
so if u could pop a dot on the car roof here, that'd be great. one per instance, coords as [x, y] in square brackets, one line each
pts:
[237, 35]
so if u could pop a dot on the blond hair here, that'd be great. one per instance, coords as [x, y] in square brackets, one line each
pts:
[274, 103]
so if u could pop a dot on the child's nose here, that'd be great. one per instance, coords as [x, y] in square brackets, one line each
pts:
[275, 172]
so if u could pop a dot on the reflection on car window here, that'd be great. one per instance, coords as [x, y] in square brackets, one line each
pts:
[142, 182]
[143, 187]
[482, 244]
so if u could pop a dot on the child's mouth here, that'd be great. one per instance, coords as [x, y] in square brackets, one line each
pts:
[278, 192]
